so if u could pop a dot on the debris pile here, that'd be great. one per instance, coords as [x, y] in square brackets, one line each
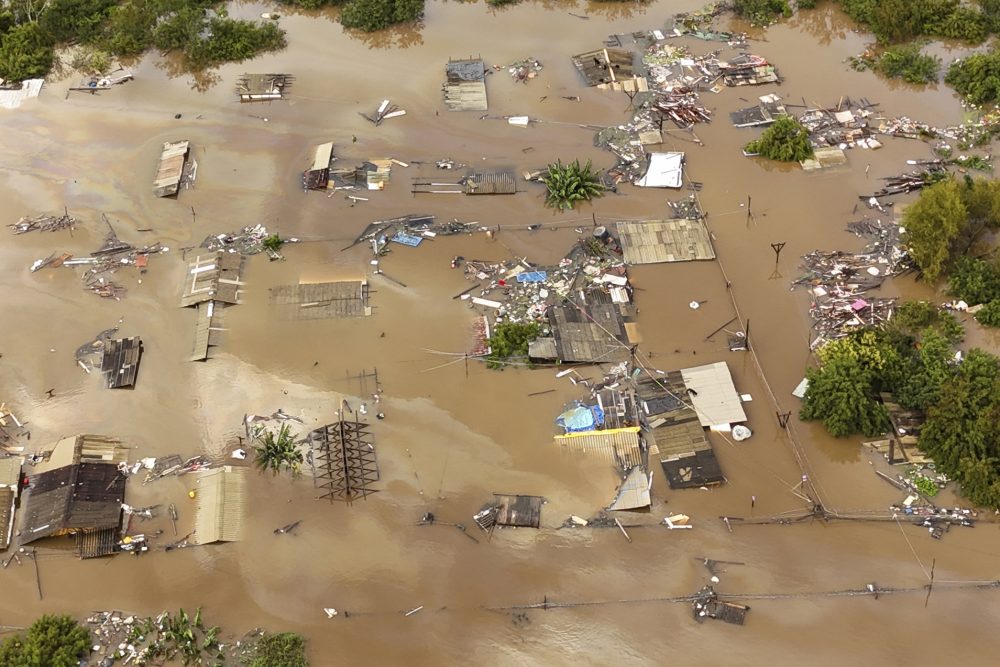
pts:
[839, 281]
[706, 604]
[248, 241]
[385, 111]
[844, 126]
[522, 70]
[43, 223]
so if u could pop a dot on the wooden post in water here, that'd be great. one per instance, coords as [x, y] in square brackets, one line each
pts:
[38, 577]
[747, 336]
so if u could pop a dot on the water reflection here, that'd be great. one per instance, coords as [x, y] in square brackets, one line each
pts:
[172, 64]
[617, 10]
[396, 37]
[825, 23]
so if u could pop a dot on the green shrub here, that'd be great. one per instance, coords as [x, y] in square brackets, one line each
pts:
[179, 29]
[373, 15]
[907, 63]
[786, 140]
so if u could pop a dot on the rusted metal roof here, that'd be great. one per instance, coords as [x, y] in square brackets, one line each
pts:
[83, 496]
[621, 445]
[605, 66]
[221, 499]
[519, 511]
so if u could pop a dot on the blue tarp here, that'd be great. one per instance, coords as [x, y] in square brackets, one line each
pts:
[407, 239]
[581, 418]
[531, 276]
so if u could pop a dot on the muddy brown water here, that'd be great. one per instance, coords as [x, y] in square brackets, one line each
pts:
[454, 434]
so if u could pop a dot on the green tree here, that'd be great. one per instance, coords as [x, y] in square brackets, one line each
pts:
[67, 21]
[974, 280]
[908, 63]
[51, 641]
[933, 224]
[976, 77]
[842, 389]
[232, 40]
[960, 433]
[284, 649]
[927, 370]
[785, 140]
[178, 29]
[989, 316]
[571, 183]
[510, 341]
[277, 451]
[25, 53]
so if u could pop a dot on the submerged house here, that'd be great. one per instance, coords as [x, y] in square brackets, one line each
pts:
[78, 490]
[465, 87]
[317, 177]
[220, 505]
[605, 66]
[263, 87]
[173, 171]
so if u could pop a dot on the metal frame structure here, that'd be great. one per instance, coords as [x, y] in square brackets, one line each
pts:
[342, 455]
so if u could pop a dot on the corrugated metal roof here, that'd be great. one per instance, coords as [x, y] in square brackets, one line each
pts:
[614, 444]
[321, 158]
[713, 394]
[655, 241]
[220, 505]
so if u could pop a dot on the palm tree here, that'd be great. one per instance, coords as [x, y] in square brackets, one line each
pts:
[275, 451]
[571, 183]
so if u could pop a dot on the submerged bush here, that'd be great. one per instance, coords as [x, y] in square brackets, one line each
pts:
[786, 141]
[373, 15]
[762, 12]
[906, 62]
[510, 340]
[231, 40]
[25, 53]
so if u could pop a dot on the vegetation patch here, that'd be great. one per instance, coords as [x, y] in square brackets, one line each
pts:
[277, 451]
[284, 649]
[199, 30]
[895, 21]
[510, 341]
[906, 62]
[373, 15]
[786, 140]
[569, 184]
[947, 219]
[51, 641]
[977, 77]
[762, 12]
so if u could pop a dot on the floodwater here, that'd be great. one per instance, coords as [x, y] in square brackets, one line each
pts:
[454, 433]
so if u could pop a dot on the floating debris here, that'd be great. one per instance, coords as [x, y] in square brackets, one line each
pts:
[522, 70]
[43, 223]
[385, 111]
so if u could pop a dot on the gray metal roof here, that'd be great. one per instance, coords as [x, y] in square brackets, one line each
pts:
[221, 499]
[655, 241]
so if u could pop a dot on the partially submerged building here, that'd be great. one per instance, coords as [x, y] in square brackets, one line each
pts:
[174, 170]
[221, 503]
[495, 182]
[120, 361]
[317, 177]
[605, 66]
[78, 490]
[769, 109]
[212, 283]
[312, 301]
[465, 86]
[593, 332]
[263, 87]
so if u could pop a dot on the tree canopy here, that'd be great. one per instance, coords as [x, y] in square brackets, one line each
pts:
[933, 225]
[51, 641]
[373, 15]
[786, 140]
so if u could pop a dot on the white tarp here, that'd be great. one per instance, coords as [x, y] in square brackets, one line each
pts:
[12, 99]
[666, 170]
